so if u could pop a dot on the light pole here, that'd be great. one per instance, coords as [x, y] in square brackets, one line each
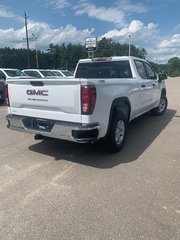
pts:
[37, 62]
[129, 45]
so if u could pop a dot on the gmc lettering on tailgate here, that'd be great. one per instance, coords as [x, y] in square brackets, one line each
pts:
[37, 92]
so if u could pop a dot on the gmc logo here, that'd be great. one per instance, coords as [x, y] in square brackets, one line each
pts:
[37, 92]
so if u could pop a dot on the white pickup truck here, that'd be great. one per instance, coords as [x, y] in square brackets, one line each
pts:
[98, 103]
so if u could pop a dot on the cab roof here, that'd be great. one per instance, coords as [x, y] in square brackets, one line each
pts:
[108, 59]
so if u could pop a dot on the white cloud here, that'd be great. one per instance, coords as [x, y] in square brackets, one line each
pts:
[135, 26]
[177, 28]
[138, 31]
[112, 14]
[173, 42]
[129, 7]
[45, 34]
[5, 12]
[148, 36]
[115, 14]
[160, 49]
[166, 49]
[58, 4]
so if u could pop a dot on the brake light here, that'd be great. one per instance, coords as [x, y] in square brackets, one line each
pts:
[6, 95]
[102, 59]
[88, 99]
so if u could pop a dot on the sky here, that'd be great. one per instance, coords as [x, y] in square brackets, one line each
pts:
[151, 24]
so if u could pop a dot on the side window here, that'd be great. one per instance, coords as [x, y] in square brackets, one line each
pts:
[141, 69]
[150, 72]
[33, 73]
[2, 75]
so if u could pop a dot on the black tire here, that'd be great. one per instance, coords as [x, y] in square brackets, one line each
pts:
[117, 133]
[162, 106]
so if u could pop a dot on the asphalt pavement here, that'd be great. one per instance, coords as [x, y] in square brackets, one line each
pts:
[57, 190]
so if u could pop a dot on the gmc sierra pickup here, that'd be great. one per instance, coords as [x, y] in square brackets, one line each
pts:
[98, 103]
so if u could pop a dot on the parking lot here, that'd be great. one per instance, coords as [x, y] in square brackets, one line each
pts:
[57, 190]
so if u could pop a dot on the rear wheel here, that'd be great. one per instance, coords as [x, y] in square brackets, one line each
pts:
[117, 133]
[162, 106]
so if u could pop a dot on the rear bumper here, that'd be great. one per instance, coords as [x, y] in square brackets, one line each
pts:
[55, 129]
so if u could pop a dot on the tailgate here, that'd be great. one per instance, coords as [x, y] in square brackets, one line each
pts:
[57, 99]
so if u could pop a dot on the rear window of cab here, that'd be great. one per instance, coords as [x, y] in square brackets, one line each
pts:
[109, 69]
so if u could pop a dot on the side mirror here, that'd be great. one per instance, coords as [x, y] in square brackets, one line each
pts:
[162, 76]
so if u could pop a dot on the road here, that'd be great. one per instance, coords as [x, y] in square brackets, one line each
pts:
[56, 190]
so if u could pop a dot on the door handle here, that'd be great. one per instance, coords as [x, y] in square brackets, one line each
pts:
[154, 84]
[143, 85]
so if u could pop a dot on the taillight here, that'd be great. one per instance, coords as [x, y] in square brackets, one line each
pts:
[88, 99]
[6, 94]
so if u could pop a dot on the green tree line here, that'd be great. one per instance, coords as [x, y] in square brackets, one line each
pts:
[66, 56]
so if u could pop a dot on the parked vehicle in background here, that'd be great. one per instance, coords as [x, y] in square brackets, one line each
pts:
[39, 73]
[62, 73]
[11, 73]
[98, 103]
[6, 73]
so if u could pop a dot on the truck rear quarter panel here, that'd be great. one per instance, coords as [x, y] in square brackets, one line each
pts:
[107, 91]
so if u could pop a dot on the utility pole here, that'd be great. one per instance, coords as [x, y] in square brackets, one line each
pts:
[37, 62]
[27, 40]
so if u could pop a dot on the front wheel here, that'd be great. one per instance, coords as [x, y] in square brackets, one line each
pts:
[161, 108]
[117, 133]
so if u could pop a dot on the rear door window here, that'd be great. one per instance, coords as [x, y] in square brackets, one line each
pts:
[145, 70]
[33, 74]
[150, 72]
[141, 69]
[47, 73]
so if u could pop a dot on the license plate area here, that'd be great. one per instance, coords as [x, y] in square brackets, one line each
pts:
[39, 124]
